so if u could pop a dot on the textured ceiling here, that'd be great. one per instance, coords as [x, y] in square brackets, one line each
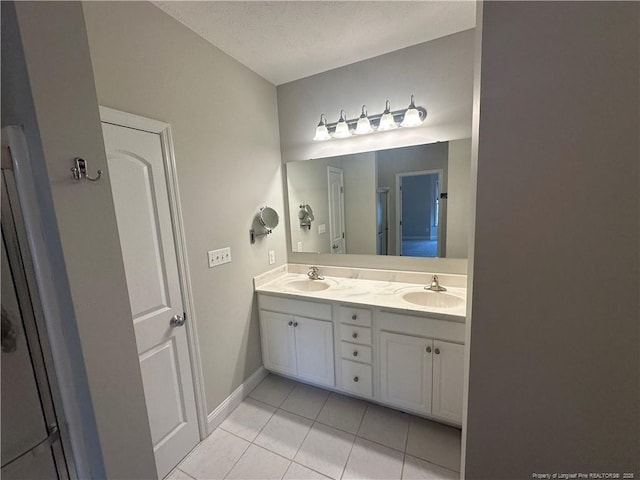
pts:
[286, 40]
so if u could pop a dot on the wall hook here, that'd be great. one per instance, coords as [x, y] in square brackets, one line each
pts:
[80, 171]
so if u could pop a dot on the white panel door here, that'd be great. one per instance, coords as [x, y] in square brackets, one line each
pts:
[278, 342]
[405, 370]
[314, 350]
[448, 373]
[137, 173]
[335, 178]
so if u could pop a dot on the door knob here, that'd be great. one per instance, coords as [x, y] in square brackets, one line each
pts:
[290, 323]
[295, 324]
[428, 349]
[177, 321]
[437, 350]
[355, 379]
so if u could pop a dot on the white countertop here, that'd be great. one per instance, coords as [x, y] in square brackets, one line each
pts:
[376, 293]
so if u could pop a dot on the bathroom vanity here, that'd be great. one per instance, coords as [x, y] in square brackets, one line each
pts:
[373, 334]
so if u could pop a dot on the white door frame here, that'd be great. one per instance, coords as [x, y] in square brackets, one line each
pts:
[397, 225]
[339, 171]
[129, 120]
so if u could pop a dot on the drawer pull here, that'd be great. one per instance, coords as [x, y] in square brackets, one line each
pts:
[437, 351]
[355, 379]
[428, 349]
[355, 335]
[295, 324]
[354, 316]
[355, 353]
[290, 323]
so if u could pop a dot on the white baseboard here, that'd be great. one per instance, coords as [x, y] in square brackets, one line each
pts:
[222, 411]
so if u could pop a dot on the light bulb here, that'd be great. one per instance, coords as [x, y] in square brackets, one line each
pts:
[342, 128]
[411, 116]
[387, 122]
[322, 133]
[364, 125]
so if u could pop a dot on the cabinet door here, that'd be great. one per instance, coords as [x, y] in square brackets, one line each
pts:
[448, 373]
[278, 342]
[405, 371]
[314, 350]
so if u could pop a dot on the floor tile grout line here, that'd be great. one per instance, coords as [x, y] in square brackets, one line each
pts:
[241, 455]
[344, 469]
[432, 463]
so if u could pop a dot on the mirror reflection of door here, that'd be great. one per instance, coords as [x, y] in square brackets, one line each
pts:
[382, 221]
[420, 217]
[336, 210]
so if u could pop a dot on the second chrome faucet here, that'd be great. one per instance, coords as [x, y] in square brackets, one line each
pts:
[313, 273]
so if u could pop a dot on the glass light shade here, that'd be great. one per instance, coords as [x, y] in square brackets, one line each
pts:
[387, 122]
[322, 133]
[342, 128]
[411, 118]
[364, 126]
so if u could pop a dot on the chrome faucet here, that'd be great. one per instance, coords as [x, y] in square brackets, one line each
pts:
[435, 285]
[313, 273]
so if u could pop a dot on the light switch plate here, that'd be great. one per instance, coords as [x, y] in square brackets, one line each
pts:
[299, 246]
[219, 256]
[272, 257]
[322, 228]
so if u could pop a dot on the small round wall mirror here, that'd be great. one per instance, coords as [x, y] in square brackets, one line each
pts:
[269, 218]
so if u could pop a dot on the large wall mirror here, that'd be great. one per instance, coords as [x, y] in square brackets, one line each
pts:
[410, 201]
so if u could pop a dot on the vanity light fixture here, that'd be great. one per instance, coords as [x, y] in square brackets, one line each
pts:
[321, 130]
[387, 122]
[342, 128]
[364, 125]
[413, 116]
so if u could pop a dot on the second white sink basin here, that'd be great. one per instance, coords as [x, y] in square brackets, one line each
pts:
[307, 285]
[426, 298]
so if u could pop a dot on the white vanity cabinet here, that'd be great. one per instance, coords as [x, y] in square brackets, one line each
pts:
[297, 339]
[418, 372]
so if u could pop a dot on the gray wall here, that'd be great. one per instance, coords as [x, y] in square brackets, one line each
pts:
[225, 129]
[411, 159]
[553, 381]
[54, 99]
[439, 73]
[459, 200]
[360, 202]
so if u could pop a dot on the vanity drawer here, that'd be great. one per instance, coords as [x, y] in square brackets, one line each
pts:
[353, 334]
[355, 316]
[356, 378]
[295, 307]
[359, 353]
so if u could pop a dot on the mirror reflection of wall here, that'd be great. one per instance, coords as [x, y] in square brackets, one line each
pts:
[360, 208]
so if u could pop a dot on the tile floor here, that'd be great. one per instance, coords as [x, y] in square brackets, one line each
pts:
[289, 430]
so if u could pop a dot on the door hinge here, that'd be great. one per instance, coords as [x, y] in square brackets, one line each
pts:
[342, 234]
[341, 189]
[444, 195]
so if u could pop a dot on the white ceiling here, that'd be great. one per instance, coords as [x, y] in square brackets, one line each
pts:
[287, 40]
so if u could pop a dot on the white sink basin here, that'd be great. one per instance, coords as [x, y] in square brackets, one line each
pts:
[426, 298]
[307, 285]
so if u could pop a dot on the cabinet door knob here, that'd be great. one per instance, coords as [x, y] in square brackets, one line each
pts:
[355, 353]
[355, 379]
[428, 349]
[295, 324]
[354, 316]
[355, 335]
[290, 323]
[437, 350]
